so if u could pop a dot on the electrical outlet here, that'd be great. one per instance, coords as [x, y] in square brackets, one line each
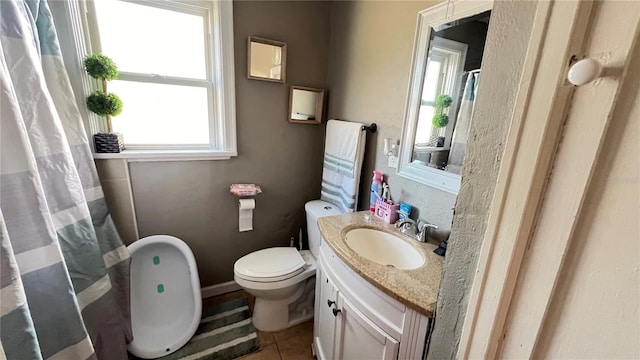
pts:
[392, 162]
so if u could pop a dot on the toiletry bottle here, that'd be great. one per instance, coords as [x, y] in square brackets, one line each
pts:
[386, 196]
[405, 210]
[376, 190]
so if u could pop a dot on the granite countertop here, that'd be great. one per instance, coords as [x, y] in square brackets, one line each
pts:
[416, 288]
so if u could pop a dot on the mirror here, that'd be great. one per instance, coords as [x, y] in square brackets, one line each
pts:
[444, 85]
[306, 105]
[266, 59]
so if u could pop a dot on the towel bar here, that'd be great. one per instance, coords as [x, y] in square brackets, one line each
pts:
[373, 127]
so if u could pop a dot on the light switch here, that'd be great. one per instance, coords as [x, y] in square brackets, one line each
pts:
[392, 162]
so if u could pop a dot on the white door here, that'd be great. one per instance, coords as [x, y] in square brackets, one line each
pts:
[324, 323]
[359, 338]
[558, 273]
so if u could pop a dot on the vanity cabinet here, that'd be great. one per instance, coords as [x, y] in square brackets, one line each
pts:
[324, 319]
[355, 320]
[359, 338]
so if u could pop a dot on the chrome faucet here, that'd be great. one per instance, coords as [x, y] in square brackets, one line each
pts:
[402, 222]
[416, 230]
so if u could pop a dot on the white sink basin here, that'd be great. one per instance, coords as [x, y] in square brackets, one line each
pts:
[383, 248]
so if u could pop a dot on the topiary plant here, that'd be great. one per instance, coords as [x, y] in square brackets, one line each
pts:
[104, 104]
[101, 102]
[101, 67]
[443, 101]
[441, 120]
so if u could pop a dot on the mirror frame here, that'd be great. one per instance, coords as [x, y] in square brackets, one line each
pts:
[319, 105]
[427, 19]
[283, 58]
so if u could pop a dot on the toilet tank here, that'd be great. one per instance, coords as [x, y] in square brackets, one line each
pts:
[316, 209]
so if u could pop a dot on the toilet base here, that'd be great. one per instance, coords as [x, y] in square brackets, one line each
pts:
[275, 315]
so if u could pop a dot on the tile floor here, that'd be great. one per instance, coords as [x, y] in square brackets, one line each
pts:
[290, 344]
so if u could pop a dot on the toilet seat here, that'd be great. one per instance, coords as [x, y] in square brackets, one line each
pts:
[270, 265]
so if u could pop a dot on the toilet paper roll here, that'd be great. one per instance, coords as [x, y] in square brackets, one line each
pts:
[245, 216]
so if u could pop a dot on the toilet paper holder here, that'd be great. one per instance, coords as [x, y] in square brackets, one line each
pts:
[246, 204]
[245, 214]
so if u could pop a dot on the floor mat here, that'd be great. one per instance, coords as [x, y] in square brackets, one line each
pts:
[225, 333]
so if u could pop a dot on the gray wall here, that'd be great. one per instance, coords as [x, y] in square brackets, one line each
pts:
[114, 178]
[191, 200]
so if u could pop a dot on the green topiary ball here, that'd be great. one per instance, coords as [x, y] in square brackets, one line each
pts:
[99, 66]
[104, 104]
[440, 120]
[443, 101]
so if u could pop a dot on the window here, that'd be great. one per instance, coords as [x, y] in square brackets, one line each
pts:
[176, 80]
[433, 85]
[443, 66]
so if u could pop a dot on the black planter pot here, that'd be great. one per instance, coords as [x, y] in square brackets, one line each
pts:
[439, 159]
[108, 142]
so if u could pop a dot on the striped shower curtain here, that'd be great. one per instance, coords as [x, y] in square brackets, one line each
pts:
[64, 274]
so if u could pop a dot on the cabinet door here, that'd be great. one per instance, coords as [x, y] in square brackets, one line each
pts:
[359, 338]
[324, 325]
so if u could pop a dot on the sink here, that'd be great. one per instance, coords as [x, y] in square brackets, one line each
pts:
[383, 248]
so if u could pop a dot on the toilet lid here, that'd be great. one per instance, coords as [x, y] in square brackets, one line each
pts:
[276, 263]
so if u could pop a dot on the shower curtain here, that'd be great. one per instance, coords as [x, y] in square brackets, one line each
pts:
[64, 274]
[463, 123]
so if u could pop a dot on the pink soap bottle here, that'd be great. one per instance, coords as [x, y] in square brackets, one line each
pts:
[376, 190]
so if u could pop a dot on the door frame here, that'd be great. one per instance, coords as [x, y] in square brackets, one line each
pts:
[534, 134]
[535, 212]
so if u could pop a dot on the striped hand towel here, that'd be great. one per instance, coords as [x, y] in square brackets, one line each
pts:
[343, 155]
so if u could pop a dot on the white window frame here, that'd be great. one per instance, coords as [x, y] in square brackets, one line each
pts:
[220, 82]
[451, 57]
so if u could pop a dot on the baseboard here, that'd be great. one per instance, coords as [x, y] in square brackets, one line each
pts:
[219, 289]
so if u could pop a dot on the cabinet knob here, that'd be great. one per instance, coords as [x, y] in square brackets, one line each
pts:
[330, 303]
[336, 311]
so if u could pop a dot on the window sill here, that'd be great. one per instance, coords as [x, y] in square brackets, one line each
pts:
[167, 155]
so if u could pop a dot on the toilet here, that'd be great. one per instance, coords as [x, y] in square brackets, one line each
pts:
[282, 278]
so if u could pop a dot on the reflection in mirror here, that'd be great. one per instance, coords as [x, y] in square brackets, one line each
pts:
[266, 59]
[306, 105]
[445, 77]
[433, 134]
[448, 92]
